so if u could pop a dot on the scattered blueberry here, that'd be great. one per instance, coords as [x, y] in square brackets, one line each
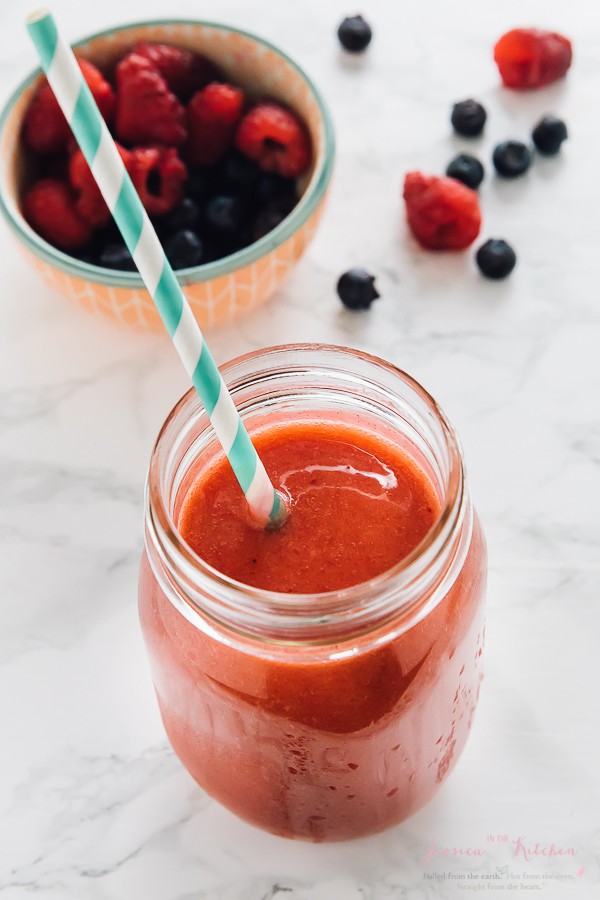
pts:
[466, 168]
[356, 289]
[117, 256]
[186, 215]
[548, 135]
[511, 158]
[355, 34]
[468, 118]
[185, 250]
[265, 222]
[496, 259]
[224, 215]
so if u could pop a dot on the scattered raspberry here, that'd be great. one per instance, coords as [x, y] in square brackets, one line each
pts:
[50, 209]
[89, 202]
[45, 128]
[184, 72]
[276, 139]
[530, 57]
[159, 177]
[147, 111]
[443, 214]
[212, 116]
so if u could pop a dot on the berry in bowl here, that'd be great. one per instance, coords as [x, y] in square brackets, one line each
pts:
[227, 142]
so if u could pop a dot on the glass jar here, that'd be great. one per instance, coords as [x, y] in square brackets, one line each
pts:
[324, 716]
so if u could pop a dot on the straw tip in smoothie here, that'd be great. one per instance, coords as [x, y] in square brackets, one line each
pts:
[280, 512]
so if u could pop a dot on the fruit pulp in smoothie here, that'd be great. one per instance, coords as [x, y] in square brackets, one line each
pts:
[330, 743]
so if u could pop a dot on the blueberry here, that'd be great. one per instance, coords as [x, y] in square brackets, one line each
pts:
[239, 174]
[186, 215]
[185, 250]
[85, 255]
[198, 183]
[271, 186]
[468, 118]
[496, 259]
[265, 222]
[548, 135]
[214, 251]
[244, 238]
[356, 289]
[116, 256]
[511, 158]
[224, 215]
[108, 234]
[355, 34]
[219, 249]
[467, 169]
[281, 205]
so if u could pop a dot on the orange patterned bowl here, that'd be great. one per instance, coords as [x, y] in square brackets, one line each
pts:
[220, 290]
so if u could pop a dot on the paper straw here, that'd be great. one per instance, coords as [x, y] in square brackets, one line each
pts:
[98, 147]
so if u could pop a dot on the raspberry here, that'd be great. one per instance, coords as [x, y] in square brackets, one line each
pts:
[159, 177]
[45, 128]
[276, 139]
[50, 209]
[89, 202]
[443, 214]
[212, 115]
[184, 72]
[147, 111]
[530, 57]
[101, 90]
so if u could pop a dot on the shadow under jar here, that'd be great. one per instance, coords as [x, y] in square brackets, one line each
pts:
[324, 716]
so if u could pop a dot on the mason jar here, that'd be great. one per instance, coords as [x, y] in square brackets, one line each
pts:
[318, 716]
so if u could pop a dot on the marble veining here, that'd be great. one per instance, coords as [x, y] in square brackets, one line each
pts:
[93, 805]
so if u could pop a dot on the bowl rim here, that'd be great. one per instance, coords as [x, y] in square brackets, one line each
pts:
[307, 204]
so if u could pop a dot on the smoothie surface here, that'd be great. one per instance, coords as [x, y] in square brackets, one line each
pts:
[358, 506]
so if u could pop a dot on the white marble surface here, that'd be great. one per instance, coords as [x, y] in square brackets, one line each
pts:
[93, 803]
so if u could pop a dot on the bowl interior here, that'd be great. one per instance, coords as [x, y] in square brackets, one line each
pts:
[261, 69]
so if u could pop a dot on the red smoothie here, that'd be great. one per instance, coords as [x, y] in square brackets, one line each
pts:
[321, 739]
[357, 506]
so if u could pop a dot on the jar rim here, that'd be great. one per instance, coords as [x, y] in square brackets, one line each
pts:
[174, 549]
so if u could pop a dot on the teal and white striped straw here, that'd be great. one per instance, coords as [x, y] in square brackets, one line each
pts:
[98, 147]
